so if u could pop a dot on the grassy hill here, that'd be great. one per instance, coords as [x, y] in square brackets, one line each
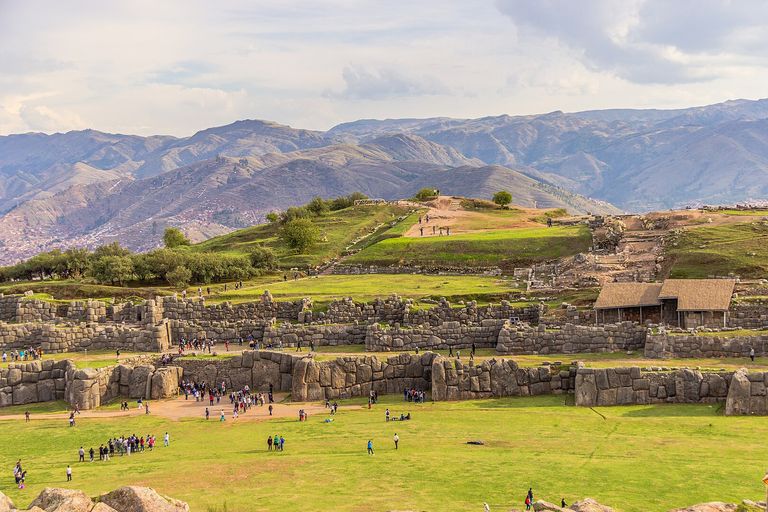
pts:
[741, 249]
[338, 230]
[506, 248]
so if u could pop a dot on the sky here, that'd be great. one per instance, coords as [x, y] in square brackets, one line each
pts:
[176, 67]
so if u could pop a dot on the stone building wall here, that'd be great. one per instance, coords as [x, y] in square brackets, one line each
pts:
[320, 334]
[680, 346]
[454, 380]
[748, 316]
[570, 339]
[347, 377]
[195, 309]
[56, 338]
[255, 368]
[631, 386]
[428, 337]
[747, 394]
[220, 331]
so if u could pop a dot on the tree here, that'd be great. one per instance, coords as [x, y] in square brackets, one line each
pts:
[300, 234]
[180, 277]
[112, 249]
[273, 217]
[173, 237]
[317, 206]
[263, 257]
[113, 269]
[426, 194]
[502, 198]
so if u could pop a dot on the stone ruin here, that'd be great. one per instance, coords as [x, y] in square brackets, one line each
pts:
[124, 499]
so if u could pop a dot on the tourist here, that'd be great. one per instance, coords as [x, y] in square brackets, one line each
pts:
[221, 416]
[752, 353]
[81, 454]
[19, 475]
[90, 453]
[421, 231]
[386, 415]
[72, 419]
[282, 443]
[167, 439]
[527, 503]
[69, 473]
[207, 412]
[473, 348]
[563, 504]
[269, 443]
[26, 416]
[270, 409]
[396, 439]
[370, 447]
[276, 442]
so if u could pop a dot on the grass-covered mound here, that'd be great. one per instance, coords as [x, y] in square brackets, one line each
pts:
[504, 248]
[741, 249]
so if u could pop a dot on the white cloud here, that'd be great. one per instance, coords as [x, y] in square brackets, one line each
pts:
[179, 66]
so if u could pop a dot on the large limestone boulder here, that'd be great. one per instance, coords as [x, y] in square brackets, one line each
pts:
[739, 391]
[139, 381]
[586, 388]
[6, 505]
[165, 382]
[53, 499]
[102, 507]
[25, 393]
[141, 499]
[714, 506]
[541, 505]
[589, 505]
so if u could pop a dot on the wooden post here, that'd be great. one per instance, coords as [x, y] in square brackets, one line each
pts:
[641, 314]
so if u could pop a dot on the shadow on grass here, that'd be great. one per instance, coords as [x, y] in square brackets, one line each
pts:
[667, 410]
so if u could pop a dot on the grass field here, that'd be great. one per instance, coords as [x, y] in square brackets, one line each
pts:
[325, 288]
[505, 248]
[96, 359]
[338, 230]
[741, 249]
[640, 458]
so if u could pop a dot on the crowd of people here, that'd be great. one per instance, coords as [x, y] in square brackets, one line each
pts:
[414, 395]
[30, 354]
[123, 445]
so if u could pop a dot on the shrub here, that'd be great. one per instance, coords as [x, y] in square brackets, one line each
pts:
[300, 234]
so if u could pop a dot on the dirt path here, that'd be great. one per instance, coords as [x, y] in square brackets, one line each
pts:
[179, 408]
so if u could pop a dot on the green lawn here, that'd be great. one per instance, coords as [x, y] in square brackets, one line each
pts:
[741, 249]
[746, 213]
[93, 359]
[338, 230]
[640, 458]
[326, 288]
[506, 248]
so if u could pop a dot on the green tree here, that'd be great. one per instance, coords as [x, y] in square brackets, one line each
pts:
[113, 269]
[300, 234]
[173, 237]
[263, 258]
[502, 198]
[273, 217]
[426, 194]
[180, 277]
[76, 262]
[317, 206]
[113, 249]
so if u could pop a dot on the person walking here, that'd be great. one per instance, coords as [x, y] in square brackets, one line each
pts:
[396, 439]
[386, 415]
[563, 504]
[276, 442]
[752, 353]
[166, 439]
[270, 409]
[269, 443]
[26, 416]
[69, 473]
[370, 447]
[81, 453]
[207, 413]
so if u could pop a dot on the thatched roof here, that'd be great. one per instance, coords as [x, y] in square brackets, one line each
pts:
[628, 295]
[699, 294]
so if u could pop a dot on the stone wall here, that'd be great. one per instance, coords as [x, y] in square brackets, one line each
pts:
[320, 334]
[347, 377]
[748, 315]
[454, 380]
[255, 368]
[428, 337]
[46, 380]
[221, 331]
[631, 386]
[704, 346]
[56, 338]
[195, 310]
[570, 339]
[747, 394]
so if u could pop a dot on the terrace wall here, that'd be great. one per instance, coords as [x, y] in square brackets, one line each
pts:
[704, 346]
[570, 339]
[428, 337]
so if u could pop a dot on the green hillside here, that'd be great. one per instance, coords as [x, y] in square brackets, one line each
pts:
[338, 230]
[505, 248]
[741, 249]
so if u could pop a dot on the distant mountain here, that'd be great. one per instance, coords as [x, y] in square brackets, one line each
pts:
[636, 159]
[215, 196]
[89, 187]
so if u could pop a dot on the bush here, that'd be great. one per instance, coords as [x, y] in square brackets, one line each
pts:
[317, 206]
[273, 217]
[180, 277]
[300, 234]
[263, 258]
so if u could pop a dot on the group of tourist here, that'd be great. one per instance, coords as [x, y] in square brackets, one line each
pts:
[195, 344]
[123, 445]
[441, 229]
[29, 354]
[414, 395]
[276, 443]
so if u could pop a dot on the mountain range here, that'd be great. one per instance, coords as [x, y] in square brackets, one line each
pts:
[89, 187]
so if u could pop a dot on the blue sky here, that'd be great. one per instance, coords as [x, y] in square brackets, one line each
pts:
[175, 67]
